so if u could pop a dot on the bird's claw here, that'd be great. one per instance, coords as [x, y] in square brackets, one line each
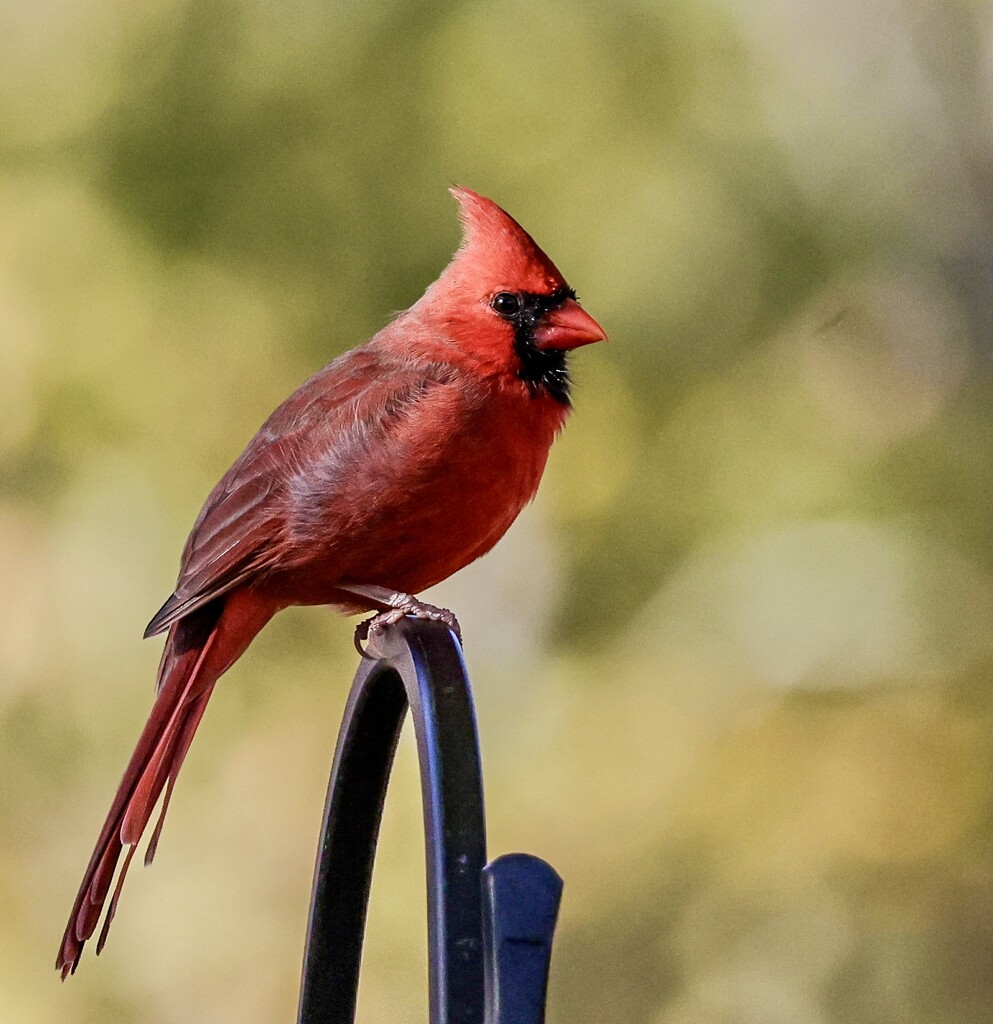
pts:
[368, 630]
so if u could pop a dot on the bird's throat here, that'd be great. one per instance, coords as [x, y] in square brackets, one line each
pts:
[542, 370]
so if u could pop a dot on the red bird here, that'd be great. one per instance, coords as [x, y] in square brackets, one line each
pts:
[393, 467]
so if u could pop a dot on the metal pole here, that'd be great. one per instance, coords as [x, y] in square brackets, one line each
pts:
[495, 971]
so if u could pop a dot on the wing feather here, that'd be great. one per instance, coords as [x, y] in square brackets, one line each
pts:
[245, 528]
[238, 532]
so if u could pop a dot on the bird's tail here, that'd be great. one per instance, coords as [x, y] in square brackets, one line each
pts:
[198, 649]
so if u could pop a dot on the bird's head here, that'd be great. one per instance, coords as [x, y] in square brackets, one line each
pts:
[505, 302]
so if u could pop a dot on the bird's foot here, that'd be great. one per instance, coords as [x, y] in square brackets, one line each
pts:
[400, 605]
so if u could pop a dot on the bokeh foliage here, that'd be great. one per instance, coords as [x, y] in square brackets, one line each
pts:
[733, 669]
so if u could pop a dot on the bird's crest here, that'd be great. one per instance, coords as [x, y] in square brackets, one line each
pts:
[493, 242]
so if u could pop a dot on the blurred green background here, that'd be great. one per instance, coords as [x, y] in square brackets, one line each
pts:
[733, 667]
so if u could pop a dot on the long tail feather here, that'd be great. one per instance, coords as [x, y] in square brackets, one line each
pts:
[186, 734]
[200, 647]
[185, 684]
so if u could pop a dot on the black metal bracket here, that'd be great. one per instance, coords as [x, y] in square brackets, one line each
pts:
[490, 927]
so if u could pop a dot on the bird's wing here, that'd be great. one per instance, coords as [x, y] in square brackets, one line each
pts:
[235, 535]
[238, 532]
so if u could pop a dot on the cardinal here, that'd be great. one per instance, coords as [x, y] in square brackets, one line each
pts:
[393, 467]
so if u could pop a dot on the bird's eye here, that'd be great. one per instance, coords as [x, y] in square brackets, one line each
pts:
[506, 304]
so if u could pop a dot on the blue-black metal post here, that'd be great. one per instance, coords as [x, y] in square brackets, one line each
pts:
[489, 931]
[520, 907]
[417, 663]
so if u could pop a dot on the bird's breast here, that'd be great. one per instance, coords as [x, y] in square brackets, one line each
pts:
[413, 501]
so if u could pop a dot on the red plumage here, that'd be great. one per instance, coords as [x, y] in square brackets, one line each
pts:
[393, 467]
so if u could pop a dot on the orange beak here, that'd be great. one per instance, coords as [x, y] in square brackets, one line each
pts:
[568, 326]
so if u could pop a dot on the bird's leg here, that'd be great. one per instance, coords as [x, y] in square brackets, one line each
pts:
[396, 605]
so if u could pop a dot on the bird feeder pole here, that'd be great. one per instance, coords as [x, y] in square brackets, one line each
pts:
[490, 927]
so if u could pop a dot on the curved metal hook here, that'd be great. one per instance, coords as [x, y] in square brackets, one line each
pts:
[418, 663]
[491, 969]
